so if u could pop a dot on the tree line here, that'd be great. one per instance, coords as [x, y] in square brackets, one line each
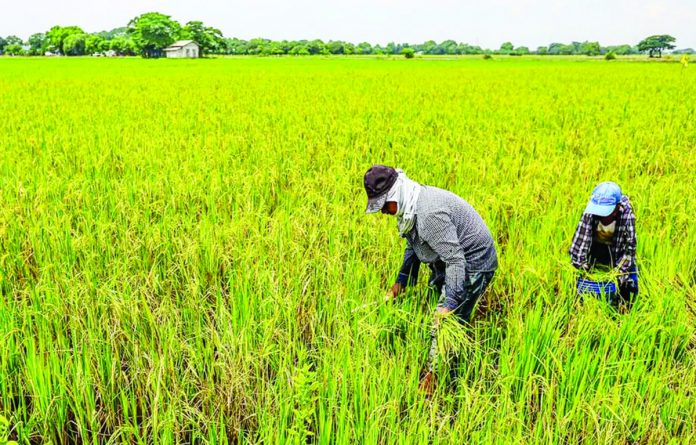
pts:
[148, 34]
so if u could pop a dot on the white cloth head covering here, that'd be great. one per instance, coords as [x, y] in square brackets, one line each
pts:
[405, 193]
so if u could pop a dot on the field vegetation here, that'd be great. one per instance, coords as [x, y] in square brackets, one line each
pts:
[184, 254]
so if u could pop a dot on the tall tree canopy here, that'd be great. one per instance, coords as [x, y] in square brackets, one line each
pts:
[210, 39]
[654, 45]
[152, 32]
[56, 37]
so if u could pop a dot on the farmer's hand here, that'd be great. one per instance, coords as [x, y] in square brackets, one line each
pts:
[440, 313]
[394, 292]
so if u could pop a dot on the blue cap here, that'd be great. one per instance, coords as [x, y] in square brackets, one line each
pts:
[604, 199]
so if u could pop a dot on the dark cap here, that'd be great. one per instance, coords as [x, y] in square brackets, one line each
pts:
[378, 180]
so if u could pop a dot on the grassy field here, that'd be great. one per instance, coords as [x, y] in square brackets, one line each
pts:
[184, 254]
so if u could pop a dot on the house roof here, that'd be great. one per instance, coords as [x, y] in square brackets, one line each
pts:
[180, 43]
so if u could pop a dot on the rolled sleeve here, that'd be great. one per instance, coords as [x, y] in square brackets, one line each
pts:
[628, 259]
[582, 241]
[441, 235]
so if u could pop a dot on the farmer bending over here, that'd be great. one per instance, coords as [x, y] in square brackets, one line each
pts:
[442, 230]
[606, 235]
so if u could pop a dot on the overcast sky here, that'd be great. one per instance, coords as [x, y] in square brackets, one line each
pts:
[487, 23]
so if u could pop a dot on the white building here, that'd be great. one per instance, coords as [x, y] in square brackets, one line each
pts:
[183, 49]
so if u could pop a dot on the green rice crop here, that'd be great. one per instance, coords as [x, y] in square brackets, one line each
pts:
[184, 254]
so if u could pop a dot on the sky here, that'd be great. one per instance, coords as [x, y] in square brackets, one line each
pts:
[486, 23]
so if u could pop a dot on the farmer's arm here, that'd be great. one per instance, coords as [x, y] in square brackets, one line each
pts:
[580, 248]
[628, 258]
[408, 274]
[441, 236]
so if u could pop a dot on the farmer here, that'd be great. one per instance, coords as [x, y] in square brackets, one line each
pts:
[606, 235]
[442, 230]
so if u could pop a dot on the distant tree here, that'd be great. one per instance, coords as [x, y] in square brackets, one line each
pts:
[116, 32]
[609, 56]
[567, 50]
[336, 47]
[3, 43]
[123, 46]
[429, 47]
[555, 48]
[210, 39]
[95, 44]
[13, 40]
[363, 48]
[74, 44]
[299, 49]
[56, 37]
[408, 53]
[542, 50]
[152, 32]
[684, 51]
[656, 44]
[506, 48]
[38, 43]
[448, 47]
[590, 48]
[619, 50]
[521, 51]
[14, 50]
[317, 46]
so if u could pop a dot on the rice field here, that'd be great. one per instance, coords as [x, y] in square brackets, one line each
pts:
[185, 258]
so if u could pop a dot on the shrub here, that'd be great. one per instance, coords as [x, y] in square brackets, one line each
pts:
[408, 53]
[610, 56]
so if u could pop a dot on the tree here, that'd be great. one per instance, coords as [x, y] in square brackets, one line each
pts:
[123, 46]
[506, 48]
[74, 45]
[3, 43]
[210, 39]
[521, 51]
[408, 53]
[542, 50]
[14, 50]
[363, 48]
[95, 44]
[590, 48]
[56, 37]
[38, 43]
[13, 40]
[152, 32]
[656, 44]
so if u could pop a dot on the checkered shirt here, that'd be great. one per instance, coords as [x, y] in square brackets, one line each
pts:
[623, 249]
[447, 228]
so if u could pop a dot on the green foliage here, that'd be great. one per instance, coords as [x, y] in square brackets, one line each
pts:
[610, 56]
[123, 46]
[58, 34]
[197, 268]
[75, 44]
[654, 45]
[506, 48]
[14, 50]
[152, 32]
[210, 39]
[38, 44]
[4, 432]
[408, 53]
[487, 57]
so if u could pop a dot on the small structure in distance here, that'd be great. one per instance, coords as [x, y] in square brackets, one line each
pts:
[183, 49]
